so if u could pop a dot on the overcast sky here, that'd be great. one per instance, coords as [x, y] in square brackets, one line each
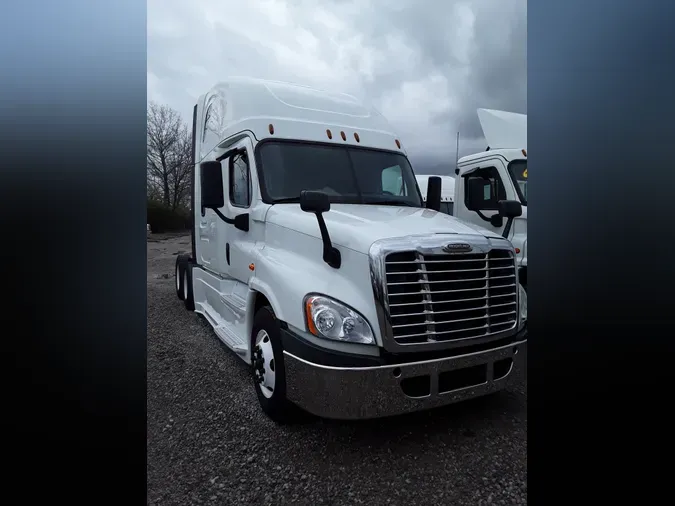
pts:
[427, 65]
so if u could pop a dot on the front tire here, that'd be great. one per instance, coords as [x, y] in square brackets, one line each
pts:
[188, 295]
[181, 262]
[269, 373]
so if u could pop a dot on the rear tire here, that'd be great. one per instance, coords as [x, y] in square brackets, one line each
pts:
[181, 261]
[188, 295]
[267, 360]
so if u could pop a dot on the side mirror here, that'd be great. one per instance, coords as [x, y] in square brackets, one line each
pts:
[476, 193]
[241, 222]
[496, 220]
[510, 208]
[314, 202]
[319, 203]
[434, 193]
[211, 178]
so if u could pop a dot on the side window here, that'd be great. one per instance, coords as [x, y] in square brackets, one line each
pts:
[240, 180]
[392, 181]
[493, 190]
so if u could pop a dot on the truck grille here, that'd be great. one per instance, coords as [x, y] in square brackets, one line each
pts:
[450, 297]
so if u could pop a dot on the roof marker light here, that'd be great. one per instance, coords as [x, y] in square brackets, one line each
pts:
[356, 137]
[329, 134]
[344, 137]
[524, 152]
[398, 144]
[271, 129]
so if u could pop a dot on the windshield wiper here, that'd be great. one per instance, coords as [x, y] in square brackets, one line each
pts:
[390, 202]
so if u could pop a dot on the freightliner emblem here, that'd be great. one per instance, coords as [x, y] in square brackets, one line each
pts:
[458, 247]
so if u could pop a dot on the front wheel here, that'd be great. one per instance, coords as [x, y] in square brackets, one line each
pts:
[188, 295]
[181, 261]
[269, 373]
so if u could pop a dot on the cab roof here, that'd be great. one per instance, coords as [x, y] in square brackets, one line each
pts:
[294, 111]
[505, 134]
[503, 130]
[507, 154]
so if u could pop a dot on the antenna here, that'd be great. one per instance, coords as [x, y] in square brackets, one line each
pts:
[457, 153]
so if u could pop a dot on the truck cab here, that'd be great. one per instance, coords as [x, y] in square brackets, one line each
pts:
[502, 169]
[316, 261]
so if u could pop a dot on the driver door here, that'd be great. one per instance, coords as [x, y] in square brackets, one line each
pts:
[240, 199]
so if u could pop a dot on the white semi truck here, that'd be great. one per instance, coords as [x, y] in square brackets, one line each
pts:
[502, 168]
[347, 296]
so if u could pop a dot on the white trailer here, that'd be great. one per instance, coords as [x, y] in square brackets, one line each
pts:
[315, 261]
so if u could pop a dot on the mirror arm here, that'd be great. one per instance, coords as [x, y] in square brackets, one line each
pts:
[481, 215]
[331, 255]
[222, 216]
[229, 153]
[507, 228]
[230, 221]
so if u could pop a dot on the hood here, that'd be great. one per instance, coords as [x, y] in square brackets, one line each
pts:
[357, 227]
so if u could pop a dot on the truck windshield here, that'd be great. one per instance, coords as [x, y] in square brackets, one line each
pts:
[346, 174]
[518, 171]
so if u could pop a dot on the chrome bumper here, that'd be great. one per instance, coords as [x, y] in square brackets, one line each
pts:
[349, 393]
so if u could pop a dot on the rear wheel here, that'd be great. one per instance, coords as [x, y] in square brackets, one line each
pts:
[269, 373]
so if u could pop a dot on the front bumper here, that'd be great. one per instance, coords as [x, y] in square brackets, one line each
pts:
[375, 391]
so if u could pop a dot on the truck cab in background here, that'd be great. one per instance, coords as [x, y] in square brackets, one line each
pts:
[502, 173]
[316, 261]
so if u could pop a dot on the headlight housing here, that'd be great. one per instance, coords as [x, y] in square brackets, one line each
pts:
[329, 319]
[522, 305]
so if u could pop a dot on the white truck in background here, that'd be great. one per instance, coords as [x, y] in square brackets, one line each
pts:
[315, 261]
[503, 170]
[447, 191]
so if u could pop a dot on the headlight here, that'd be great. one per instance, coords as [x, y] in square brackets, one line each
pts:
[522, 304]
[329, 319]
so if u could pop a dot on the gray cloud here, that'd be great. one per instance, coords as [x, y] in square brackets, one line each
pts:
[426, 65]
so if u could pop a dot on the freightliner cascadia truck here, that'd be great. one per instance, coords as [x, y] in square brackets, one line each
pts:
[316, 260]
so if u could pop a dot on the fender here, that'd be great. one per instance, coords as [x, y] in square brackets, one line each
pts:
[304, 272]
[256, 285]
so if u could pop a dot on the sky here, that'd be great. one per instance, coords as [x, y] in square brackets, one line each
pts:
[426, 65]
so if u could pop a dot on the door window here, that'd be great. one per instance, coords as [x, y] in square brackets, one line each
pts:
[240, 180]
[493, 190]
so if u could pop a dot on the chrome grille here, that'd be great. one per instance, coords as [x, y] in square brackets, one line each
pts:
[450, 297]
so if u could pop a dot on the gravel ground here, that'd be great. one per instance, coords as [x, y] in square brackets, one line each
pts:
[209, 443]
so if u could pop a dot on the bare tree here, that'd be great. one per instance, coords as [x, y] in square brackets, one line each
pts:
[169, 156]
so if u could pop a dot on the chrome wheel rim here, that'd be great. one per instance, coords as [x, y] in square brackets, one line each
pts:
[263, 363]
